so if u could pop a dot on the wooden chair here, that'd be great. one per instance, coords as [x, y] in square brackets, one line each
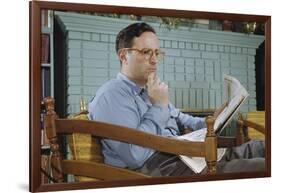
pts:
[95, 168]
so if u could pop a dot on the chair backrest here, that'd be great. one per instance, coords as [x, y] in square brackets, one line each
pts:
[84, 146]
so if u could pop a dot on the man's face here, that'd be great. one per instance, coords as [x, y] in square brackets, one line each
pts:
[139, 67]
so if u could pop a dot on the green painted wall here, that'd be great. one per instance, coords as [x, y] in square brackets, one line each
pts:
[195, 61]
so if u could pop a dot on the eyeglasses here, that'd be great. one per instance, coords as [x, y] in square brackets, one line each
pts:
[147, 53]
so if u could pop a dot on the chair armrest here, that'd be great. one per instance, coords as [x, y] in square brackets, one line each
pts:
[256, 126]
[132, 136]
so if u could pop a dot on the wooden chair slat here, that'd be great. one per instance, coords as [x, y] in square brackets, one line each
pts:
[101, 171]
[128, 135]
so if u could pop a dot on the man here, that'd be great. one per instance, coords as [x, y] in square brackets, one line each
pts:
[139, 100]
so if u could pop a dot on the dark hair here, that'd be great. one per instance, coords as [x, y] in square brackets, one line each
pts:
[125, 36]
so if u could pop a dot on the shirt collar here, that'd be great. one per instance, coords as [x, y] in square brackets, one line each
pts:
[136, 88]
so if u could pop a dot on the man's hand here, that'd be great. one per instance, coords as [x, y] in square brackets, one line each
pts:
[220, 109]
[157, 91]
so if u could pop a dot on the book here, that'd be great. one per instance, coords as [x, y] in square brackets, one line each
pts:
[45, 82]
[235, 95]
[45, 47]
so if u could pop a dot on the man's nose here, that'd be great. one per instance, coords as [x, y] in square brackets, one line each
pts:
[153, 58]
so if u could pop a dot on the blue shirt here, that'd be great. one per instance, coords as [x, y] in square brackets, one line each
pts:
[120, 101]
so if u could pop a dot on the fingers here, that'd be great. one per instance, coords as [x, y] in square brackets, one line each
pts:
[157, 81]
[154, 81]
[226, 104]
[151, 79]
[157, 90]
[151, 76]
[163, 84]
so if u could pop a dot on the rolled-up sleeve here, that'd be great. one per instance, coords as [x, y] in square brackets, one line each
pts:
[118, 107]
[191, 122]
[187, 120]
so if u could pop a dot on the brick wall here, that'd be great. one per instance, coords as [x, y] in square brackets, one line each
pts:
[193, 66]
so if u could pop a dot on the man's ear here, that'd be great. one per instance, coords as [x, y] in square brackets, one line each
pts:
[123, 56]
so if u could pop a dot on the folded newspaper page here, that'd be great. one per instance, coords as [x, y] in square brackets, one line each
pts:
[235, 95]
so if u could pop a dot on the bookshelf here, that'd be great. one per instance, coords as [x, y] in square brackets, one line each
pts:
[47, 81]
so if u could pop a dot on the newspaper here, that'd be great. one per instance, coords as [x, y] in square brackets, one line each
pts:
[235, 95]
